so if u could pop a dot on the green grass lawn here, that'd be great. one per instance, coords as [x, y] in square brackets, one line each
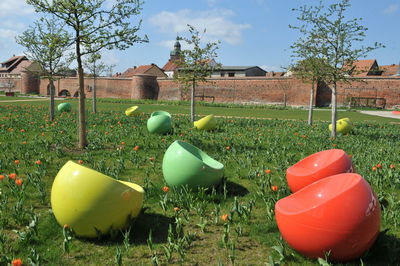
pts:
[195, 234]
[223, 111]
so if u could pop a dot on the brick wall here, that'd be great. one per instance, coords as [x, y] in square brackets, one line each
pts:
[235, 90]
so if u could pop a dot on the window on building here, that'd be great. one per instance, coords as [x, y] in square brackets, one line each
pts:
[222, 74]
[231, 74]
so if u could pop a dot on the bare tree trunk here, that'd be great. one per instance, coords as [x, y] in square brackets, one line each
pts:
[94, 88]
[192, 114]
[52, 89]
[82, 116]
[334, 111]
[284, 100]
[94, 95]
[310, 108]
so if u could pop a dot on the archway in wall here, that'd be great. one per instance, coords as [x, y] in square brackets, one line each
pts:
[323, 97]
[76, 94]
[64, 93]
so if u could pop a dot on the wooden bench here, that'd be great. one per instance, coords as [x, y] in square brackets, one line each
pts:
[371, 102]
[202, 97]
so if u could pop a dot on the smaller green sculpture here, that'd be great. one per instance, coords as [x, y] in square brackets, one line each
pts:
[159, 122]
[64, 107]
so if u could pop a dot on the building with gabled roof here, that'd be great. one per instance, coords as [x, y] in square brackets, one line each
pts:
[364, 68]
[239, 71]
[13, 67]
[151, 69]
[390, 70]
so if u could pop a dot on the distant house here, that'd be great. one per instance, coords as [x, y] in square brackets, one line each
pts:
[390, 70]
[239, 71]
[170, 67]
[152, 69]
[13, 67]
[273, 74]
[363, 68]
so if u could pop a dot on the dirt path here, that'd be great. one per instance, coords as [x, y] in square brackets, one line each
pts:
[381, 113]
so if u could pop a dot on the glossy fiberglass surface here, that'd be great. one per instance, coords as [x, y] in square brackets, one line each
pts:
[316, 166]
[343, 126]
[131, 111]
[185, 164]
[338, 213]
[159, 122]
[206, 123]
[88, 201]
[64, 107]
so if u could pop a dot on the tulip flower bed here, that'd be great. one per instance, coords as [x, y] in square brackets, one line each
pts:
[233, 223]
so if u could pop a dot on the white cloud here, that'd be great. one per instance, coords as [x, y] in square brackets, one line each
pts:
[391, 9]
[217, 22]
[13, 8]
[8, 34]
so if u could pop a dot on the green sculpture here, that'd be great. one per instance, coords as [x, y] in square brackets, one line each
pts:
[64, 107]
[159, 122]
[185, 164]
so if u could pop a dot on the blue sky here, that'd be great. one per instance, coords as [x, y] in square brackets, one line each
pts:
[252, 32]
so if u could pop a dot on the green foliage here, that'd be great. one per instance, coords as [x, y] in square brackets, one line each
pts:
[196, 64]
[329, 45]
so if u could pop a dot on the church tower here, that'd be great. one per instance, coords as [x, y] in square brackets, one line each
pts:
[176, 53]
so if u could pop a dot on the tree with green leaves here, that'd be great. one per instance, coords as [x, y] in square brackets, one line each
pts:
[311, 69]
[94, 25]
[334, 39]
[196, 64]
[46, 43]
[96, 68]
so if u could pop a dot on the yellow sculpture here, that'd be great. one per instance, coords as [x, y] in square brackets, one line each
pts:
[206, 123]
[131, 111]
[91, 203]
[343, 126]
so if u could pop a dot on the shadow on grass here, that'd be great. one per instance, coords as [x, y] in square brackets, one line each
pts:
[140, 229]
[385, 251]
[232, 189]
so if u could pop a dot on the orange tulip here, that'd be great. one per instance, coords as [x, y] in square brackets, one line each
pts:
[374, 168]
[80, 161]
[274, 188]
[268, 171]
[18, 182]
[224, 217]
[228, 148]
[165, 189]
[392, 166]
[136, 148]
[1, 177]
[16, 161]
[38, 162]
[12, 176]
[16, 262]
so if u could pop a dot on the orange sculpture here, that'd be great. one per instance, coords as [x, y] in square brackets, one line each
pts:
[340, 214]
[316, 166]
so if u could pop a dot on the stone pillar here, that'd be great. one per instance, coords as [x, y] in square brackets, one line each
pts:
[144, 87]
[30, 83]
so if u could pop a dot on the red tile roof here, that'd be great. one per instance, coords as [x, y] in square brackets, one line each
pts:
[389, 70]
[362, 67]
[170, 66]
[136, 70]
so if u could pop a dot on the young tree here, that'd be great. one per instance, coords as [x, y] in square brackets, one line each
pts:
[96, 68]
[337, 42]
[196, 64]
[312, 70]
[46, 43]
[94, 26]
